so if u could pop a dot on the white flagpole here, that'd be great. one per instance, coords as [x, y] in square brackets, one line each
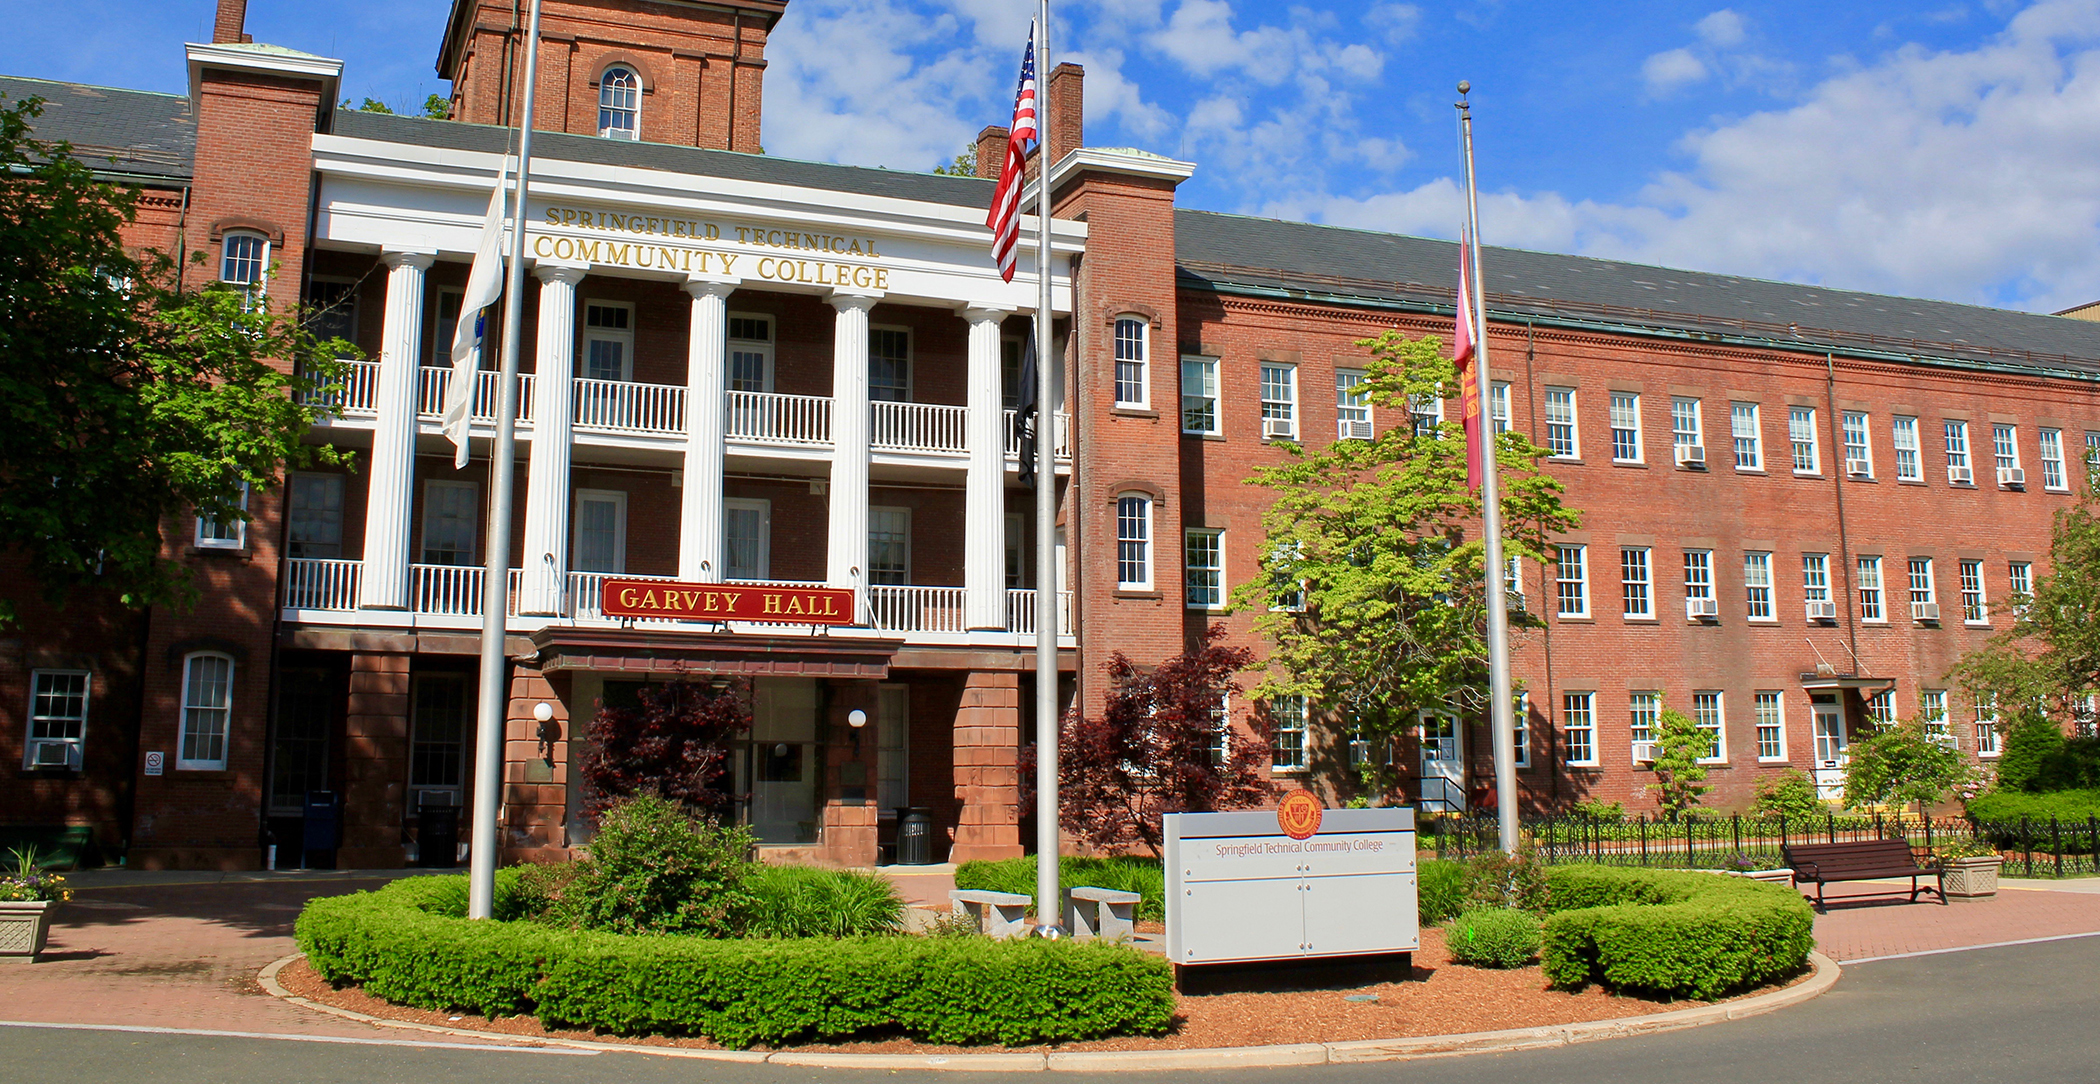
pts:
[1501, 696]
[493, 698]
[1049, 902]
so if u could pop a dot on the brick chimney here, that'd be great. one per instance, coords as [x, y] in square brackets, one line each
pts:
[231, 25]
[1067, 111]
[991, 151]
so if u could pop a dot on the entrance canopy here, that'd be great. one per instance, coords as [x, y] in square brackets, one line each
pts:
[660, 651]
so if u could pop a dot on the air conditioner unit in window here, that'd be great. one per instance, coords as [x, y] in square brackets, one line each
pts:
[1272, 428]
[1691, 455]
[1644, 752]
[1822, 611]
[1356, 431]
[2012, 476]
[1924, 611]
[1859, 468]
[54, 754]
[1960, 476]
[1697, 608]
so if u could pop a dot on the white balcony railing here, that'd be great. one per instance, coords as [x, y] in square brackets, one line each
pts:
[919, 427]
[353, 393]
[917, 609]
[432, 380]
[626, 406]
[314, 583]
[1012, 429]
[452, 590]
[1020, 611]
[802, 421]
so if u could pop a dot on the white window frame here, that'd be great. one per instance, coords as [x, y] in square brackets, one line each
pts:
[191, 708]
[618, 499]
[1859, 440]
[248, 272]
[1956, 433]
[1134, 547]
[1910, 457]
[764, 508]
[624, 337]
[1815, 577]
[1975, 607]
[1575, 588]
[1988, 744]
[68, 730]
[1498, 406]
[1626, 427]
[1643, 715]
[737, 344]
[1687, 423]
[1718, 731]
[1214, 569]
[2005, 446]
[1132, 340]
[889, 510]
[1291, 713]
[473, 534]
[1425, 413]
[2054, 479]
[1757, 586]
[1699, 574]
[1932, 713]
[1637, 582]
[1293, 601]
[2019, 579]
[1352, 411]
[1804, 442]
[1562, 424]
[1923, 590]
[1520, 715]
[611, 106]
[1769, 710]
[213, 535]
[1285, 409]
[1744, 426]
[1199, 395]
[909, 361]
[1881, 708]
[1873, 594]
[1578, 727]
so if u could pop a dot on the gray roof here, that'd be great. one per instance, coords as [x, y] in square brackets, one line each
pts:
[148, 135]
[692, 161]
[1261, 256]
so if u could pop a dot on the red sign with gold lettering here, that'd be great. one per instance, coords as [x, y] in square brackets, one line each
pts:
[768, 603]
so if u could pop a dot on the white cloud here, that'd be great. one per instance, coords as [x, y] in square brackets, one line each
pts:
[1723, 28]
[1667, 71]
[1396, 23]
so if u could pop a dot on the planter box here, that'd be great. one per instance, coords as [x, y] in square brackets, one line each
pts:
[1972, 878]
[1773, 876]
[23, 926]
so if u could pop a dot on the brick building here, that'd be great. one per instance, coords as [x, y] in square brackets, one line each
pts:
[748, 370]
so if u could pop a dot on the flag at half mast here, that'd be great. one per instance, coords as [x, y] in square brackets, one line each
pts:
[1462, 352]
[484, 286]
[1004, 218]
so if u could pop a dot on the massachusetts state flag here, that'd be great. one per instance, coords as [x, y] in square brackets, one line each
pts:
[1462, 352]
[1005, 216]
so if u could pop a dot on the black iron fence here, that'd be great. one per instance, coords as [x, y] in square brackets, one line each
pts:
[2031, 848]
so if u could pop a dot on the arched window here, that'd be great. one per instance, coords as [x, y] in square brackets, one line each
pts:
[620, 103]
[244, 264]
[1134, 542]
[207, 709]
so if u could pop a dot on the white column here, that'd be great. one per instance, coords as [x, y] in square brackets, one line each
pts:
[700, 512]
[984, 498]
[545, 557]
[846, 555]
[391, 499]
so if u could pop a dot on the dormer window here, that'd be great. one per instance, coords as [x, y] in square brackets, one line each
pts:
[620, 103]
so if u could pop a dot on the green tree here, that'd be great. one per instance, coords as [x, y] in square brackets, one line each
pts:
[437, 107]
[1372, 585]
[965, 164]
[1902, 763]
[2032, 742]
[1680, 780]
[129, 400]
[2048, 661]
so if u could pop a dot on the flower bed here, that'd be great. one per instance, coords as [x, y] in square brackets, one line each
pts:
[1671, 933]
[408, 943]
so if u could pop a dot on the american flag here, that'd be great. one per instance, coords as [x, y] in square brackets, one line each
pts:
[1005, 215]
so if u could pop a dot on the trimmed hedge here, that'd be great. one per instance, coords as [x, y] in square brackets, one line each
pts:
[1143, 876]
[1669, 932]
[408, 943]
[1493, 937]
[2002, 809]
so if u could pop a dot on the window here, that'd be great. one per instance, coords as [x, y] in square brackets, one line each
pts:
[1771, 727]
[620, 103]
[1578, 724]
[1986, 726]
[1426, 412]
[1958, 472]
[1352, 412]
[1286, 589]
[1757, 585]
[1498, 406]
[1560, 423]
[314, 507]
[1699, 580]
[1644, 712]
[1706, 715]
[1221, 730]
[608, 340]
[444, 326]
[451, 517]
[2052, 441]
[1922, 606]
[207, 707]
[1909, 465]
[58, 703]
[331, 309]
[1801, 432]
[1973, 610]
[1815, 582]
[601, 531]
[437, 750]
[1685, 430]
[2006, 452]
[889, 365]
[889, 546]
[1881, 708]
[2092, 450]
[1203, 568]
[1859, 457]
[1749, 439]
[2019, 576]
[1625, 427]
[892, 746]
[1288, 713]
[1134, 543]
[244, 264]
[747, 538]
[1131, 388]
[1279, 401]
[1513, 582]
[1572, 581]
[750, 360]
[1932, 711]
[1870, 590]
[1520, 716]
[228, 533]
[1199, 395]
[1636, 582]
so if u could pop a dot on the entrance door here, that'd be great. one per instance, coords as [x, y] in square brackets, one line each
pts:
[780, 761]
[1443, 766]
[1829, 771]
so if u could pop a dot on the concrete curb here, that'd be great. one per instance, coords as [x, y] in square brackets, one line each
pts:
[1242, 1057]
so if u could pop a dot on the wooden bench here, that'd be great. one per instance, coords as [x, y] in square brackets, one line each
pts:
[999, 914]
[1101, 912]
[1821, 863]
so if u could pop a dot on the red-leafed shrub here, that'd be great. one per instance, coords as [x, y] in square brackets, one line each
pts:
[675, 745]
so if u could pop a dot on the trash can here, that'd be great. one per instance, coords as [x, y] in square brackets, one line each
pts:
[322, 830]
[914, 836]
[437, 835]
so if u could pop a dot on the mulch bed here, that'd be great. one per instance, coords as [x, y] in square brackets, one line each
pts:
[1438, 998]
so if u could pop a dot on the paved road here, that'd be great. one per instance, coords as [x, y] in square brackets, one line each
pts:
[2015, 1015]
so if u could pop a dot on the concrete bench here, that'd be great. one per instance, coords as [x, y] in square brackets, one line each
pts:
[998, 914]
[1105, 913]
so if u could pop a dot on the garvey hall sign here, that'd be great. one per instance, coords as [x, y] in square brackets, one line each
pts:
[665, 600]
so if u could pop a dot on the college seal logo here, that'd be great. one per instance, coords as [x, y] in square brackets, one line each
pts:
[1299, 814]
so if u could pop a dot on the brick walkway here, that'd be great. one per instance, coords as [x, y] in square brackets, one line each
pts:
[1861, 925]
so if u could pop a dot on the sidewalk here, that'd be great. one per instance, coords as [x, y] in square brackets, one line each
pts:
[1874, 919]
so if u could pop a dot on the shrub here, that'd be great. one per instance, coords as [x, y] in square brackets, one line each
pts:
[2030, 741]
[1143, 876]
[1670, 932]
[801, 901]
[1496, 879]
[1493, 938]
[1790, 793]
[406, 943]
[1596, 810]
[673, 744]
[654, 869]
[2006, 807]
[2074, 766]
[1440, 890]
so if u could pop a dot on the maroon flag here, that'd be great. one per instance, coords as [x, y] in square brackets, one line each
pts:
[1004, 217]
[1462, 353]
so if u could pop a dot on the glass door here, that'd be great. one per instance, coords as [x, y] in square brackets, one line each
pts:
[1829, 771]
[1443, 767]
[780, 761]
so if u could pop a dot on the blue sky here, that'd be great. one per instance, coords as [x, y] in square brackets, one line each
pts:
[1947, 149]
